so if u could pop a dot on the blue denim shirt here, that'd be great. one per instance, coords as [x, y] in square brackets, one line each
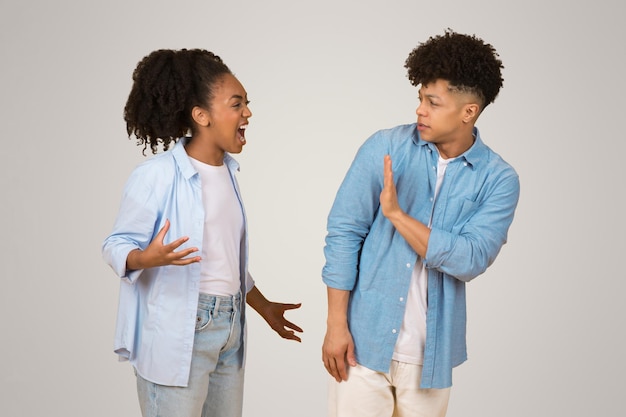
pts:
[367, 256]
[157, 306]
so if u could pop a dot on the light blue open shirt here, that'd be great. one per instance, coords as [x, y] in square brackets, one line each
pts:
[157, 306]
[367, 256]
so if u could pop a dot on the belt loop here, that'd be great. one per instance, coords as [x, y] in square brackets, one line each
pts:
[235, 303]
[216, 308]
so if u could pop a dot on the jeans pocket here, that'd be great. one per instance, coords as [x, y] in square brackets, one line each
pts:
[203, 319]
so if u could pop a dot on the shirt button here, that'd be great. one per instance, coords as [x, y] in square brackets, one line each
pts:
[464, 164]
[408, 265]
[394, 331]
[401, 299]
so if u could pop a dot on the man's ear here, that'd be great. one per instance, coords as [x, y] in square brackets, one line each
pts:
[471, 112]
[200, 116]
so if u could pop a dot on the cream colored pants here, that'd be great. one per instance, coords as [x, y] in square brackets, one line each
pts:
[368, 393]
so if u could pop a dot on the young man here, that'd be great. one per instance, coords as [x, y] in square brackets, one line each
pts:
[403, 242]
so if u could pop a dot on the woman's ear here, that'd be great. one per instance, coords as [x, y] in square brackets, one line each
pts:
[200, 116]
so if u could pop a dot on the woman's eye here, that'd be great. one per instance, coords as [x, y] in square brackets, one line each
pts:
[237, 105]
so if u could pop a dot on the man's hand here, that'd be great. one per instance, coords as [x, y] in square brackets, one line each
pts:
[389, 195]
[338, 352]
[338, 347]
[413, 231]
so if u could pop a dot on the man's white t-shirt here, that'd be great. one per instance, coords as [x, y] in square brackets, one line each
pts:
[412, 337]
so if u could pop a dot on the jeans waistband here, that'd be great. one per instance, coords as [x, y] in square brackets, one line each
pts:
[219, 302]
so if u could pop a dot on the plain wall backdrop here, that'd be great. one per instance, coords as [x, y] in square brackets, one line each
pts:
[546, 321]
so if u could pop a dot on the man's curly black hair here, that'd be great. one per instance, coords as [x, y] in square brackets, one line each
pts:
[465, 61]
[167, 84]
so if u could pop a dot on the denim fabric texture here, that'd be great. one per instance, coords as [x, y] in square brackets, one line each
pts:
[368, 257]
[215, 387]
[157, 306]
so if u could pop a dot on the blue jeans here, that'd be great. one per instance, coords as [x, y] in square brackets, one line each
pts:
[215, 386]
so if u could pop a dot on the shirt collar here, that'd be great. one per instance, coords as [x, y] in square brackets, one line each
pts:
[231, 163]
[183, 162]
[476, 153]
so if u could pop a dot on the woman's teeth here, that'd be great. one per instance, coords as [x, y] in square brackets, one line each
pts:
[242, 133]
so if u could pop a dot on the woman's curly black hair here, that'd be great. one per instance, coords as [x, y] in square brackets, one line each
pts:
[465, 61]
[167, 84]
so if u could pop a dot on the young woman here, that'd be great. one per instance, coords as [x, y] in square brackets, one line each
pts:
[179, 243]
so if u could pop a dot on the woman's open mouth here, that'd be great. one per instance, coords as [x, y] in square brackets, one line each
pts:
[241, 133]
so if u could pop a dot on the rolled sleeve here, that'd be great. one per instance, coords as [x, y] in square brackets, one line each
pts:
[115, 252]
[134, 227]
[352, 214]
[467, 253]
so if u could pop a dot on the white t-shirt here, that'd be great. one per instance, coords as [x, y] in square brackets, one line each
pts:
[223, 231]
[412, 337]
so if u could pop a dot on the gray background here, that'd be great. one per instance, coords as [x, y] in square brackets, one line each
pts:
[546, 322]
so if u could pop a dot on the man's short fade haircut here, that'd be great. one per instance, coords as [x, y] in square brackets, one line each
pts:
[465, 61]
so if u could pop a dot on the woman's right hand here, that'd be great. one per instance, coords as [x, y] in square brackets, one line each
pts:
[159, 254]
